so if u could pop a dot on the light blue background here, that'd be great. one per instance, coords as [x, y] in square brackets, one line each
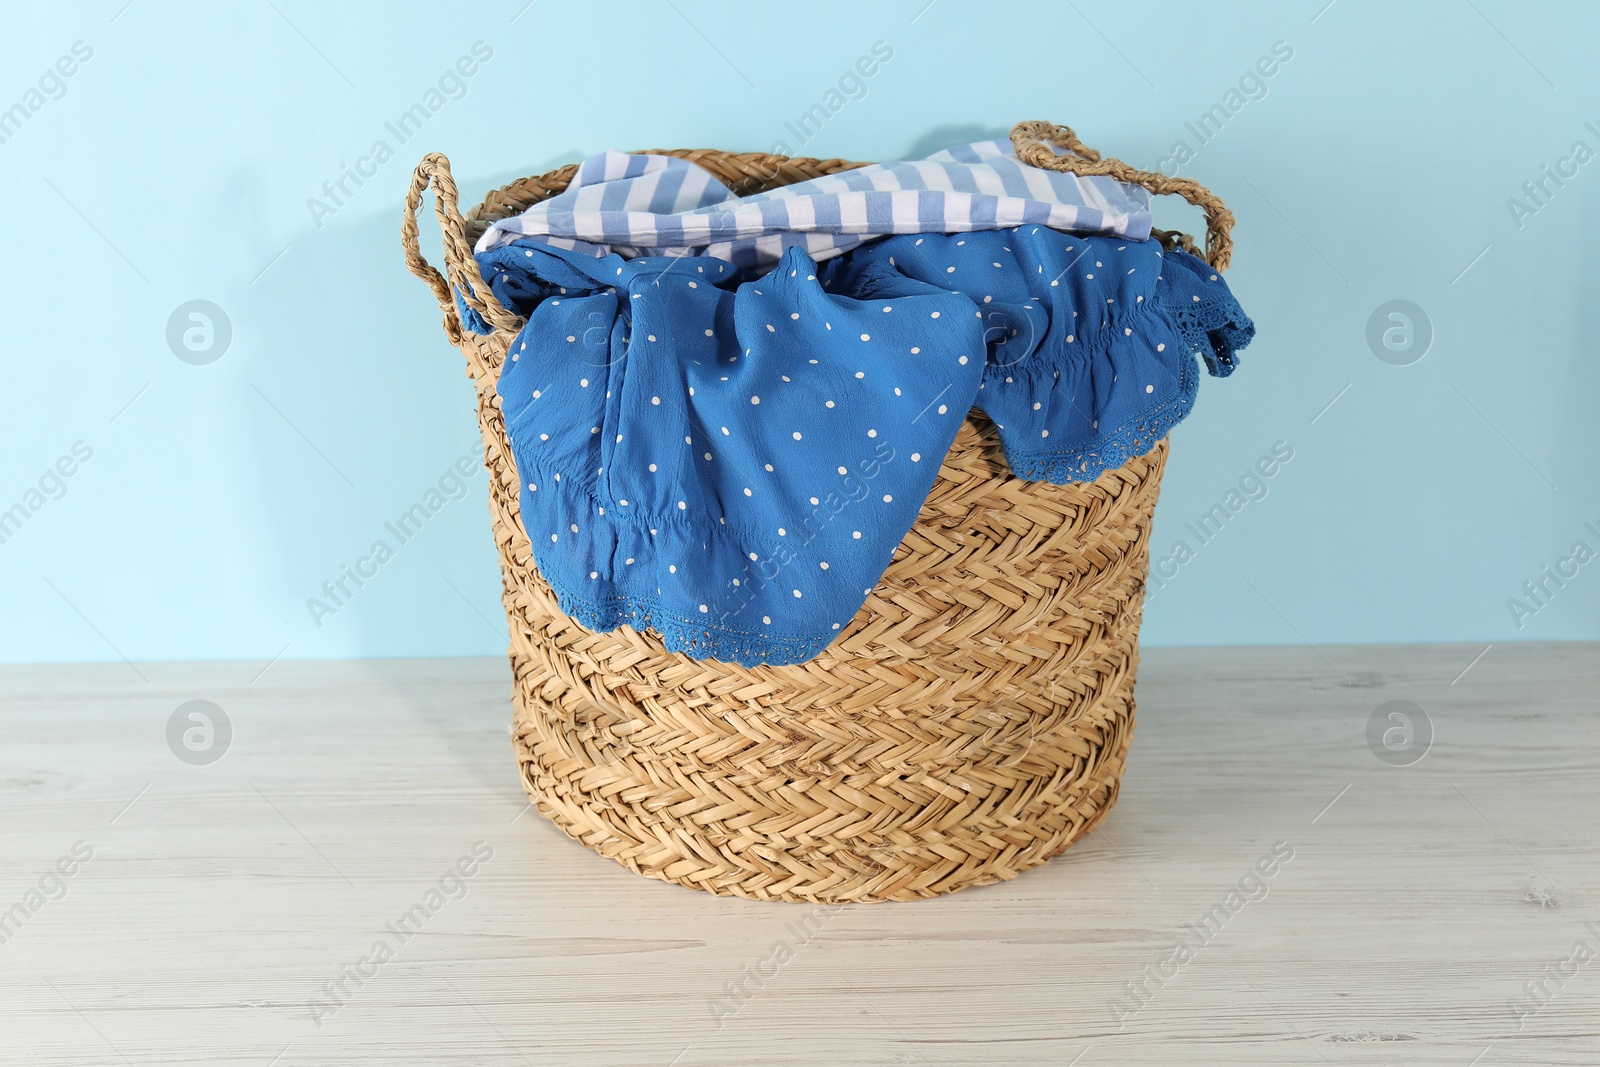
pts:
[179, 162]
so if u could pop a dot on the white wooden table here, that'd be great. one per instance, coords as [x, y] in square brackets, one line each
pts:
[1443, 912]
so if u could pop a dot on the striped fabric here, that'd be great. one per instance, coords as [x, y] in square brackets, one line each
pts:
[643, 205]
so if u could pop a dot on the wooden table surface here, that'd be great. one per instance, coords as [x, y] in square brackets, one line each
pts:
[1279, 884]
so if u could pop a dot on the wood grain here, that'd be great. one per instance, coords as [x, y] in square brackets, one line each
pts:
[1418, 901]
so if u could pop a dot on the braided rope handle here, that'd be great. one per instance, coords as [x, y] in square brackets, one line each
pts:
[1029, 139]
[461, 267]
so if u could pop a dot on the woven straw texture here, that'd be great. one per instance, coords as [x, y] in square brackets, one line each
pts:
[968, 724]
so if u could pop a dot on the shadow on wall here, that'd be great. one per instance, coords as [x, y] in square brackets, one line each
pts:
[361, 430]
[349, 394]
[942, 137]
[1583, 369]
[360, 433]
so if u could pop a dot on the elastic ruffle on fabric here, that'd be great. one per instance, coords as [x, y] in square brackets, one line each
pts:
[732, 460]
[1090, 340]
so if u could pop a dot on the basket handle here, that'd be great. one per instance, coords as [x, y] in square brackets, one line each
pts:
[461, 267]
[1029, 140]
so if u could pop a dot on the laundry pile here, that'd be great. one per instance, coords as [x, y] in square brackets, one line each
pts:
[726, 412]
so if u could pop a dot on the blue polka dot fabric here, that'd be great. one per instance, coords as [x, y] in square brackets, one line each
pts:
[731, 458]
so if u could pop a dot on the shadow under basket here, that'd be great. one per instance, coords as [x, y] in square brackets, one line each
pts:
[969, 723]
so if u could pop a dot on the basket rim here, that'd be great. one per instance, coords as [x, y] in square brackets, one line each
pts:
[1042, 144]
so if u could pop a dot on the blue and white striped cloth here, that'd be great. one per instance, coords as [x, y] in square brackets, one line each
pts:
[644, 205]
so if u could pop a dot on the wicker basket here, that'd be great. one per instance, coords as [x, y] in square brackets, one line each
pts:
[969, 723]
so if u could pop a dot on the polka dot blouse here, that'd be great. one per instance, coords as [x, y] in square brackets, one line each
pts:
[731, 457]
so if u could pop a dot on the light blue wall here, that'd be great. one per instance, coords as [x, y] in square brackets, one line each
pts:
[1377, 165]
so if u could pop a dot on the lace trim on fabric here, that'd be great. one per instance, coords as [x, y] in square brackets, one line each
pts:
[1112, 449]
[1214, 329]
[689, 636]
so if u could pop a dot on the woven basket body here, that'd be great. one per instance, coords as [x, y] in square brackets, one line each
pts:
[969, 723]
